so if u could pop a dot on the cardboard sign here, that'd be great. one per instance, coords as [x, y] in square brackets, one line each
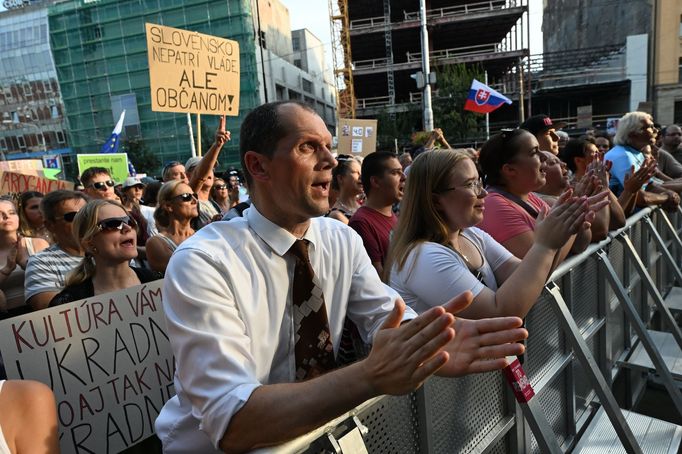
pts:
[15, 183]
[25, 166]
[192, 72]
[115, 163]
[357, 137]
[107, 359]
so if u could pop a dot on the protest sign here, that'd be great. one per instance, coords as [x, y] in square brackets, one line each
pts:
[15, 183]
[357, 137]
[25, 166]
[115, 163]
[192, 72]
[107, 359]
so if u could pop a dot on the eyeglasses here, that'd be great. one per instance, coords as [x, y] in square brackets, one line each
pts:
[220, 186]
[68, 217]
[113, 224]
[186, 197]
[345, 157]
[476, 186]
[102, 185]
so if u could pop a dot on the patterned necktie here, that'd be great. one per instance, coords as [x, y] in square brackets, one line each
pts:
[313, 344]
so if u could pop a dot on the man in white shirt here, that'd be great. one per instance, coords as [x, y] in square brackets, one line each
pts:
[233, 327]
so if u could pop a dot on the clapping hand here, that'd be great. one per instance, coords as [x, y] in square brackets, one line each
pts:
[568, 215]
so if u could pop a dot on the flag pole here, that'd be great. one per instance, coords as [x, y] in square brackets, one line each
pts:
[487, 115]
[199, 134]
[191, 135]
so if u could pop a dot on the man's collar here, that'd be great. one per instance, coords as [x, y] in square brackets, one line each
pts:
[279, 239]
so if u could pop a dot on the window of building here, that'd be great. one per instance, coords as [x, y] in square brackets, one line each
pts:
[261, 39]
[296, 43]
[306, 85]
[21, 141]
[3, 144]
[297, 62]
[678, 112]
[679, 75]
[680, 25]
[60, 137]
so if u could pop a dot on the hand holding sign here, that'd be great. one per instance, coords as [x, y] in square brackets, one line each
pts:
[222, 136]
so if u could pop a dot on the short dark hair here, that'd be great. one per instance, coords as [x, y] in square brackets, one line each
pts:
[89, 173]
[262, 129]
[575, 148]
[664, 131]
[499, 150]
[374, 165]
[48, 206]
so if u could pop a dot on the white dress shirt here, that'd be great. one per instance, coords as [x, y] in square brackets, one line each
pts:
[227, 299]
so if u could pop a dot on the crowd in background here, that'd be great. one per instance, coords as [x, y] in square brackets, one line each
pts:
[435, 222]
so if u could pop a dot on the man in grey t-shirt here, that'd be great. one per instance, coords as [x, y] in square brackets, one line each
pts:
[46, 271]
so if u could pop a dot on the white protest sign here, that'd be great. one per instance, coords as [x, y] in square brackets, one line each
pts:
[107, 359]
[192, 72]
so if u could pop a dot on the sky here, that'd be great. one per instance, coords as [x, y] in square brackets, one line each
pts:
[314, 15]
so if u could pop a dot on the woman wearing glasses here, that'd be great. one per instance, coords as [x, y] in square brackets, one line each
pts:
[346, 180]
[108, 236]
[224, 196]
[177, 206]
[436, 252]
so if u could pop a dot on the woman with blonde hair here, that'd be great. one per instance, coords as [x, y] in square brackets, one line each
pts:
[107, 234]
[177, 206]
[31, 222]
[437, 252]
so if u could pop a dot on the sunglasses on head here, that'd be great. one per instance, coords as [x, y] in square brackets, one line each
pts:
[102, 185]
[68, 217]
[186, 197]
[113, 224]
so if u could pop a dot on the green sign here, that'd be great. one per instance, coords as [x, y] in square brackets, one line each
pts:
[116, 163]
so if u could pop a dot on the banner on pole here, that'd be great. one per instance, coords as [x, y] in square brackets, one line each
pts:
[192, 72]
[115, 163]
[16, 183]
[107, 359]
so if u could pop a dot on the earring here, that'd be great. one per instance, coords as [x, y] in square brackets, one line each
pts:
[94, 250]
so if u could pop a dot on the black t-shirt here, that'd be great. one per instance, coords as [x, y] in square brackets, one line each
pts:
[86, 290]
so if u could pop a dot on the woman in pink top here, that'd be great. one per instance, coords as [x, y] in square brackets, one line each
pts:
[513, 168]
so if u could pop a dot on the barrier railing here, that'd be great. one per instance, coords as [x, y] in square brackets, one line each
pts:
[581, 334]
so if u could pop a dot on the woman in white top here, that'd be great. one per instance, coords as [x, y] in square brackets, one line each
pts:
[177, 206]
[28, 420]
[436, 252]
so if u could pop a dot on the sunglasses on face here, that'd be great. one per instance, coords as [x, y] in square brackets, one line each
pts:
[102, 185]
[68, 217]
[220, 186]
[113, 224]
[186, 197]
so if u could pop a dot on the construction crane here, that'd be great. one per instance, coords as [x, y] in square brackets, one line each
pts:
[343, 63]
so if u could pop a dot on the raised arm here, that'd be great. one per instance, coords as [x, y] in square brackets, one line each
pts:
[208, 161]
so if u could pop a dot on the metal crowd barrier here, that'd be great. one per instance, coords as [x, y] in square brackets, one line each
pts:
[583, 330]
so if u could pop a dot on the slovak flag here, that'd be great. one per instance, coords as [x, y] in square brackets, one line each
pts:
[111, 145]
[483, 99]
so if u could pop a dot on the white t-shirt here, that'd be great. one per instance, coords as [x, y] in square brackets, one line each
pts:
[433, 274]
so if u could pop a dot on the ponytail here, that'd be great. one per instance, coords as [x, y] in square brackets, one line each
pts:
[84, 271]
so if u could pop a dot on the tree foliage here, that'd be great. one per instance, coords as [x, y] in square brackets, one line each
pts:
[453, 85]
[142, 158]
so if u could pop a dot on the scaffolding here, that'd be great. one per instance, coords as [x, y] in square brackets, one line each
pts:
[341, 54]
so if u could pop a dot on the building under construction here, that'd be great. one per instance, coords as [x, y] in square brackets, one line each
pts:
[381, 40]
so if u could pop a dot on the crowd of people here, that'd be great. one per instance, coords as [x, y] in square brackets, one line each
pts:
[328, 251]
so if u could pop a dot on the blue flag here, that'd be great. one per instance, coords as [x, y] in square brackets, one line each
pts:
[111, 145]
